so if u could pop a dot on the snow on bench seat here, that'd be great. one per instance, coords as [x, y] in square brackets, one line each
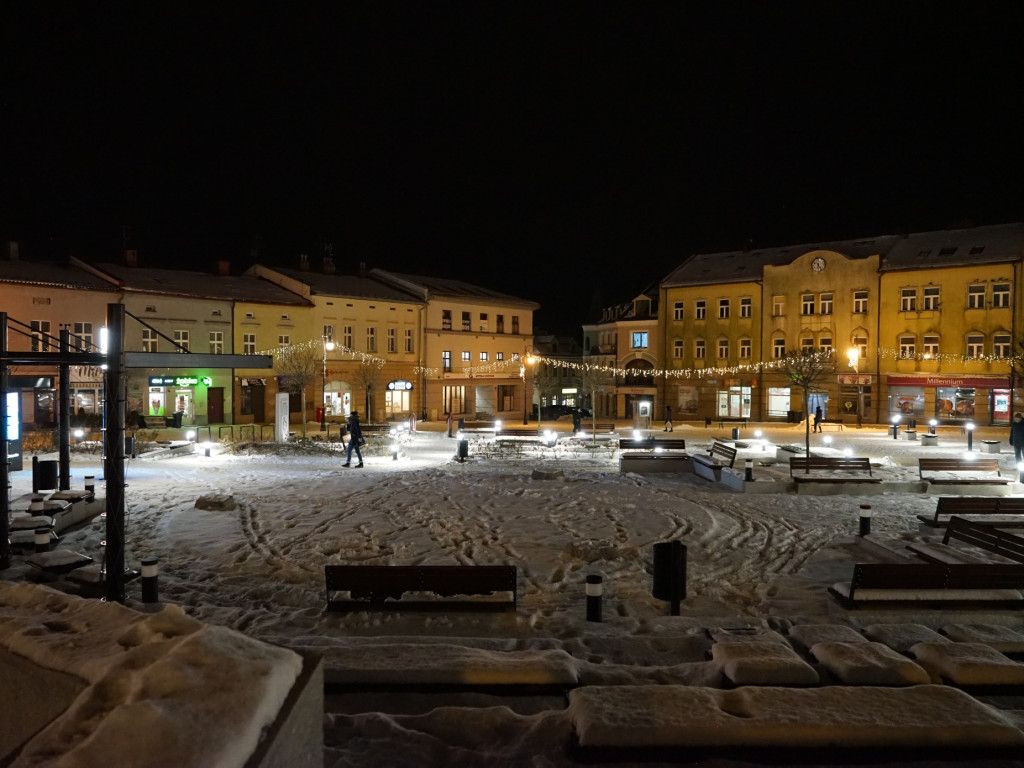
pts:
[747, 663]
[866, 663]
[1003, 639]
[930, 716]
[929, 595]
[969, 663]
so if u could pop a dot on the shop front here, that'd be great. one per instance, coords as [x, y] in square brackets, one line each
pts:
[398, 398]
[950, 399]
[734, 398]
[183, 399]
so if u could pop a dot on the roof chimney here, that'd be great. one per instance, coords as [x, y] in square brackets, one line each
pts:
[12, 250]
[304, 262]
[223, 268]
[131, 257]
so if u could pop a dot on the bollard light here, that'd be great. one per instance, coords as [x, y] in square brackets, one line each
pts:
[595, 590]
[497, 425]
[847, 451]
[827, 439]
[638, 435]
[150, 574]
[969, 455]
[394, 451]
[79, 434]
[931, 426]
[206, 448]
[969, 426]
[865, 519]
[90, 486]
[748, 470]
[895, 427]
[190, 435]
[550, 438]
[41, 539]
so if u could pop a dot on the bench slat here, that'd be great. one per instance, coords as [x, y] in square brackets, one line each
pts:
[985, 537]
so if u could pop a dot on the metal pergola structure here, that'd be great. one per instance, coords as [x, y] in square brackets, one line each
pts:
[114, 362]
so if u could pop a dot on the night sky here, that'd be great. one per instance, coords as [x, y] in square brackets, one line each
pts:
[564, 152]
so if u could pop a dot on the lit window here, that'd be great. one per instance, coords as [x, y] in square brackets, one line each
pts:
[976, 297]
[640, 340]
[484, 357]
[860, 302]
[807, 304]
[677, 311]
[746, 307]
[467, 357]
[702, 309]
[499, 356]
[446, 361]
[975, 345]
[699, 351]
[825, 301]
[1001, 295]
[723, 309]
[908, 300]
[930, 347]
[907, 344]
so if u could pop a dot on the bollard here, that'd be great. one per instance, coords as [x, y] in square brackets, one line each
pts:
[42, 539]
[865, 519]
[37, 506]
[594, 591]
[149, 580]
[748, 468]
[90, 486]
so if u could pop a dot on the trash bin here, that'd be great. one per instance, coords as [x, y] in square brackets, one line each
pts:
[129, 445]
[320, 413]
[44, 475]
[463, 447]
[794, 417]
[177, 419]
[735, 433]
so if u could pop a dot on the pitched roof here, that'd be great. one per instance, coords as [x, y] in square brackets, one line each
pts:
[457, 289]
[747, 266]
[353, 286]
[51, 274]
[957, 247]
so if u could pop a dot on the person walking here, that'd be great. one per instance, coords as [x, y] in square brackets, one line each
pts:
[668, 418]
[817, 419]
[1017, 436]
[355, 439]
[577, 415]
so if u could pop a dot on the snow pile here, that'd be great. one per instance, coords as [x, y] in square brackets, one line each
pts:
[164, 689]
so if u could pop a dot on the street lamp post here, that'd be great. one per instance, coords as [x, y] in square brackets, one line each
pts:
[530, 359]
[853, 356]
[328, 346]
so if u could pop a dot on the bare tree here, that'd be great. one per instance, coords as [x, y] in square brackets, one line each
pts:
[546, 382]
[1016, 373]
[594, 380]
[367, 376]
[807, 368]
[298, 366]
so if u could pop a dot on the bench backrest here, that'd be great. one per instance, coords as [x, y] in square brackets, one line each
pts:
[958, 465]
[986, 537]
[517, 432]
[723, 450]
[676, 443]
[967, 505]
[369, 582]
[848, 463]
[937, 576]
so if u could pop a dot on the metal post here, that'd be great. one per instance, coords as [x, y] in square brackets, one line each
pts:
[970, 437]
[5, 541]
[865, 519]
[323, 391]
[595, 589]
[113, 451]
[64, 412]
[41, 539]
[860, 405]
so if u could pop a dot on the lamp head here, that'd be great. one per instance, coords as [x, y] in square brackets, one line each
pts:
[853, 357]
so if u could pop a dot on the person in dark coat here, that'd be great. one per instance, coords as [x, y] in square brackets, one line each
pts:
[577, 415]
[817, 419]
[355, 437]
[1017, 436]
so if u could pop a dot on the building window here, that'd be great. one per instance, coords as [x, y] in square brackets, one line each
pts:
[975, 345]
[216, 342]
[930, 299]
[181, 338]
[467, 323]
[976, 297]
[328, 333]
[778, 306]
[908, 300]
[1001, 345]
[907, 346]
[825, 344]
[499, 356]
[41, 332]
[467, 357]
[483, 322]
[82, 333]
[1001, 295]
[778, 348]
[677, 311]
[371, 339]
[807, 345]
[930, 347]
[346, 336]
[283, 340]
[861, 343]
[408, 340]
[677, 349]
[746, 307]
[702, 309]
[723, 349]
[484, 357]
[699, 351]
[446, 319]
[807, 304]
[446, 361]
[744, 349]
[825, 301]
[639, 339]
[249, 344]
[499, 323]
[723, 309]
[149, 340]
[860, 302]
[392, 340]
[515, 324]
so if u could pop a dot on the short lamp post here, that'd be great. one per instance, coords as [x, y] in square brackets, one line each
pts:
[895, 427]
[528, 360]
[328, 346]
[853, 357]
[931, 426]
[969, 426]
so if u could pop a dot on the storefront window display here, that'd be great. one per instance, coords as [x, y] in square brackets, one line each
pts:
[734, 402]
[1001, 406]
[956, 403]
[778, 401]
[907, 401]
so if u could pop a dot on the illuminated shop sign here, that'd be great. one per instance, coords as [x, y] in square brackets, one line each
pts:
[400, 385]
[179, 381]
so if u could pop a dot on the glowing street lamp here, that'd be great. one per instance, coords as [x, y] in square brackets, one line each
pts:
[895, 427]
[853, 358]
[328, 346]
[529, 360]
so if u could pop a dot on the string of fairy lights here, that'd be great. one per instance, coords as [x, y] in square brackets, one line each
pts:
[514, 366]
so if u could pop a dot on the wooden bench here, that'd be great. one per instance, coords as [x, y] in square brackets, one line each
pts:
[516, 432]
[726, 456]
[918, 584]
[976, 465]
[652, 444]
[598, 427]
[831, 423]
[808, 464]
[375, 429]
[730, 420]
[378, 587]
[986, 538]
[1005, 506]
